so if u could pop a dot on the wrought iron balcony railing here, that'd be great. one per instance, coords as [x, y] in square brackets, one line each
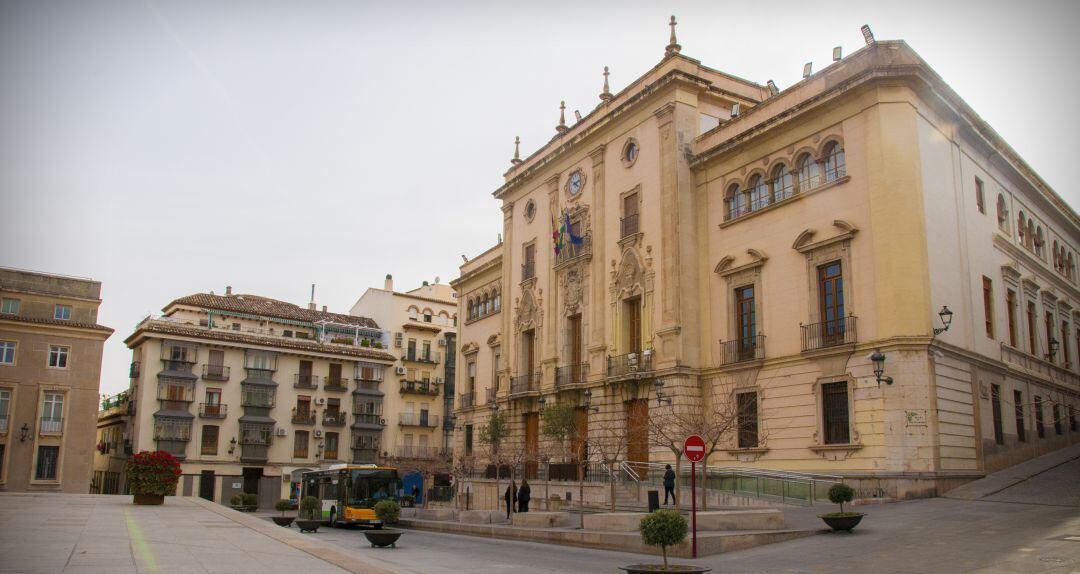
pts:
[335, 419]
[629, 225]
[213, 410]
[421, 356]
[571, 374]
[630, 364]
[466, 400]
[303, 416]
[309, 382]
[418, 420]
[572, 251]
[742, 350]
[827, 334]
[419, 387]
[528, 270]
[335, 384]
[524, 383]
[215, 372]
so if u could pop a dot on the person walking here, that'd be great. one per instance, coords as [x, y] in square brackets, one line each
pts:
[524, 495]
[669, 484]
[511, 499]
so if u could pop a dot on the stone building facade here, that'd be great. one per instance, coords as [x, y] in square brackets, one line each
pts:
[747, 245]
[50, 369]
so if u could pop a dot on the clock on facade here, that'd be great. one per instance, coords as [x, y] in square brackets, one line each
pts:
[575, 182]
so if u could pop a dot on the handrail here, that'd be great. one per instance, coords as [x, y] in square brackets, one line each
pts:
[629, 470]
[749, 470]
[786, 486]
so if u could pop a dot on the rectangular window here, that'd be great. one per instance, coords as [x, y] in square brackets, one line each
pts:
[1040, 429]
[746, 321]
[528, 268]
[300, 444]
[988, 306]
[995, 406]
[1031, 328]
[1049, 335]
[831, 304]
[62, 312]
[1059, 427]
[58, 356]
[209, 440]
[47, 461]
[330, 451]
[1018, 406]
[1065, 344]
[5, 410]
[7, 352]
[629, 222]
[468, 440]
[980, 199]
[9, 306]
[835, 418]
[1010, 302]
[52, 413]
[748, 419]
[1072, 418]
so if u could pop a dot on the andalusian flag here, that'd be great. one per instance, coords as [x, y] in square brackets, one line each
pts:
[556, 235]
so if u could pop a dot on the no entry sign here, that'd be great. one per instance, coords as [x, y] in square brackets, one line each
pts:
[694, 447]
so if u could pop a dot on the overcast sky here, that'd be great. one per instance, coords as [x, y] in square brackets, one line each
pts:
[167, 148]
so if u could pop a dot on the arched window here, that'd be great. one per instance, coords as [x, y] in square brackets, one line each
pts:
[498, 304]
[470, 309]
[808, 172]
[835, 168]
[1030, 239]
[736, 202]
[783, 187]
[1020, 229]
[1070, 269]
[759, 193]
[488, 305]
[1056, 255]
[1039, 242]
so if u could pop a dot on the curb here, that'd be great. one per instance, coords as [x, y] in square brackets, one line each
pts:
[349, 561]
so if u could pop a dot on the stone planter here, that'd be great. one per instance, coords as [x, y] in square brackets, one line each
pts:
[846, 521]
[149, 499]
[306, 525]
[383, 538]
[649, 568]
[251, 508]
[283, 520]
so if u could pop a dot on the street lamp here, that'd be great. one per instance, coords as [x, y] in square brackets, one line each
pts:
[1054, 346]
[587, 402]
[660, 398]
[24, 432]
[946, 319]
[878, 359]
[232, 445]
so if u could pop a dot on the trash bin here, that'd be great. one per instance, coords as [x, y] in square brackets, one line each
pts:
[654, 500]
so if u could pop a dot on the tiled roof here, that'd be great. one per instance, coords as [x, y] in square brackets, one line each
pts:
[184, 330]
[256, 305]
[58, 322]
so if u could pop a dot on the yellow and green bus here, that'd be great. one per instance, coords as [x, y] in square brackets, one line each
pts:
[348, 492]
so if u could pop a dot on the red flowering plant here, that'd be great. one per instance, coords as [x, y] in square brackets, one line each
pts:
[153, 473]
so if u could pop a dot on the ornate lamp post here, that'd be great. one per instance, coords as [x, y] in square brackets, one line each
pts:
[878, 359]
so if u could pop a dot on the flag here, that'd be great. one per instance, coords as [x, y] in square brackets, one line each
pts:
[574, 239]
[556, 236]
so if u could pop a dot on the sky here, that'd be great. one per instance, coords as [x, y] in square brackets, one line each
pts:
[168, 148]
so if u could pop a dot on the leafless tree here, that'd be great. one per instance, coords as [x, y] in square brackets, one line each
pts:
[609, 443]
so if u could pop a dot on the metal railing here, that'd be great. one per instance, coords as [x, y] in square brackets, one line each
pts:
[367, 385]
[310, 382]
[215, 372]
[419, 387]
[525, 383]
[335, 384]
[571, 374]
[572, 251]
[52, 425]
[747, 201]
[629, 364]
[742, 350]
[420, 452]
[418, 420]
[420, 356]
[303, 416]
[827, 334]
[466, 400]
[492, 394]
[528, 270]
[335, 419]
[254, 452]
[370, 419]
[213, 410]
[783, 486]
[628, 225]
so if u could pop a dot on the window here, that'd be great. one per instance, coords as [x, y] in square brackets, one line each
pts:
[1010, 302]
[831, 303]
[468, 440]
[759, 193]
[427, 317]
[1002, 213]
[629, 223]
[62, 312]
[1072, 418]
[528, 268]
[208, 445]
[782, 185]
[746, 321]
[1065, 343]
[995, 406]
[286, 333]
[835, 166]
[1039, 242]
[1049, 334]
[748, 419]
[300, 444]
[736, 202]
[1039, 428]
[835, 419]
[1018, 407]
[5, 410]
[1031, 327]
[980, 200]
[988, 306]
[52, 413]
[47, 461]
[236, 326]
[9, 306]
[1058, 426]
[808, 172]
[331, 448]
[58, 356]
[7, 352]
[472, 377]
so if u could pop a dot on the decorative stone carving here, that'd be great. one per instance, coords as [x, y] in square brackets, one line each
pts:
[628, 276]
[573, 288]
[529, 313]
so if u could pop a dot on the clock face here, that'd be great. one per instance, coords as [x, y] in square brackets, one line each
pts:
[575, 183]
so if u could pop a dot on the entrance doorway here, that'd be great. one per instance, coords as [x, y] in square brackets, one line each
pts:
[252, 477]
[532, 442]
[637, 435]
[206, 485]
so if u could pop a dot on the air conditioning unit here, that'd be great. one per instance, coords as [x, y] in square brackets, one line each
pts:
[442, 342]
[282, 432]
[320, 401]
[399, 370]
[318, 433]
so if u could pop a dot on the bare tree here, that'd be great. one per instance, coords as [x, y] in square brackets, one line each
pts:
[463, 467]
[493, 434]
[558, 424]
[669, 425]
[609, 442]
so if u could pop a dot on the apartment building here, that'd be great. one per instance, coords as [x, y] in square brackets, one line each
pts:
[882, 287]
[114, 445]
[249, 392]
[50, 368]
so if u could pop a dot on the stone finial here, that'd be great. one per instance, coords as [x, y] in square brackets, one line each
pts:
[517, 151]
[562, 118]
[673, 46]
[606, 94]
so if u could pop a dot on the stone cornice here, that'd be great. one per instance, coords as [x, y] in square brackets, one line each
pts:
[1006, 246]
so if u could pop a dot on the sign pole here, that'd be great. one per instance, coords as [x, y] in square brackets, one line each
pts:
[693, 508]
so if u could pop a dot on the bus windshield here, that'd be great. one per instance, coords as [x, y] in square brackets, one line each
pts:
[371, 486]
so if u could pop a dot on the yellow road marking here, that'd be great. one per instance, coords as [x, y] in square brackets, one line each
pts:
[138, 543]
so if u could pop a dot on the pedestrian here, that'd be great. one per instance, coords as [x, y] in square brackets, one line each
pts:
[511, 499]
[415, 494]
[669, 484]
[524, 495]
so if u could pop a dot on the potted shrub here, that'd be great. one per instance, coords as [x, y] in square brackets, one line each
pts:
[282, 506]
[408, 501]
[310, 516]
[388, 512]
[251, 502]
[846, 521]
[663, 528]
[152, 475]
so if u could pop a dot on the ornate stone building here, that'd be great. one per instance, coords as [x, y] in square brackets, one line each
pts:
[742, 244]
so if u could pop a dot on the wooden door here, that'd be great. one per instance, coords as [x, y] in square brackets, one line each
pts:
[527, 340]
[576, 358]
[305, 373]
[831, 303]
[335, 373]
[532, 442]
[637, 435]
[633, 325]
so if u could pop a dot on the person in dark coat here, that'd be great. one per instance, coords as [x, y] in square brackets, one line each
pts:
[669, 484]
[511, 499]
[524, 495]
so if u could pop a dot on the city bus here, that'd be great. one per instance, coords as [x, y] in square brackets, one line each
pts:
[348, 492]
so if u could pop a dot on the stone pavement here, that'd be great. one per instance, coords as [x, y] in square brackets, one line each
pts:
[1053, 478]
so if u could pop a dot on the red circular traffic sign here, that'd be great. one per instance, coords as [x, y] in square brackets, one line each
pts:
[694, 448]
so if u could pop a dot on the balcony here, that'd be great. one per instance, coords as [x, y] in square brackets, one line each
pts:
[421, 356]
[213, 411]
[826, 334]
[420, 452]
[630, 364]
[365, 455]
[742, 350]
[307, 382]
[521, 384]
[528, 270]
[337, 384]
[334, 419]
[629, 226]
[367, 387]
[303, 416]
[418, 420]
[254, 452]
[134, 370]
[491, 395]
[179, 391]
[215, 373]
[370, 420]
[419, 388]
[568, 375]
[466, 400]
[572, 251]
[258, 398]
[52, 426]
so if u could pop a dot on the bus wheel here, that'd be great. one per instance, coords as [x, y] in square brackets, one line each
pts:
[333, 518]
